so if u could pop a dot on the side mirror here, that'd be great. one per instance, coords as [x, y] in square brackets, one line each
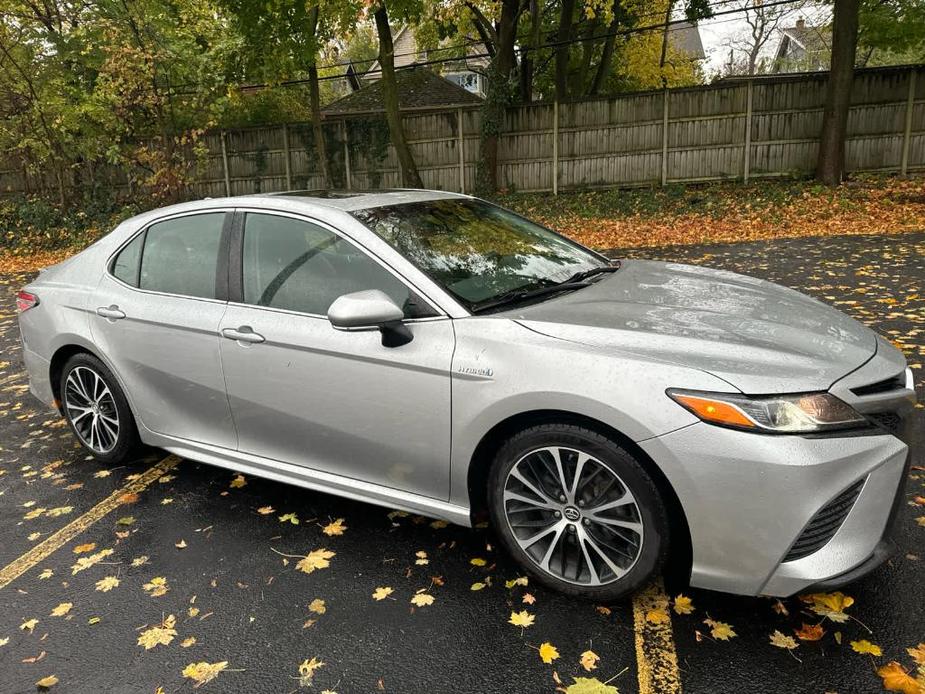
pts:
[370, 310]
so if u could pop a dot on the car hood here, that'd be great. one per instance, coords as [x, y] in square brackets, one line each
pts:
[758, 336]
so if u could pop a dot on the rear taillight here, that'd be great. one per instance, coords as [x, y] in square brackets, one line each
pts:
[25, 301]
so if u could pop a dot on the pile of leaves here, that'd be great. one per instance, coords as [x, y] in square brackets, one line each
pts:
[728, 212]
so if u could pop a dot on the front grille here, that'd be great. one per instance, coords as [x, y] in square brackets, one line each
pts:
[824, 524]
[897, 382]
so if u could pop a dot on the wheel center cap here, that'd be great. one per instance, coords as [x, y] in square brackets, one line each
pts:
[571, 513]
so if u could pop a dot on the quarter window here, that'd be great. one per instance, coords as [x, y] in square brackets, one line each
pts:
[299, 266]
[125, 266]
[181, 255]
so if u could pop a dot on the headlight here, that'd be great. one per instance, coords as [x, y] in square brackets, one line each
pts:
[806, 413]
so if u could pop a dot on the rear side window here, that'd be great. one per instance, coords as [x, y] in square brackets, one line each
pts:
[181, 255]
[125, 266]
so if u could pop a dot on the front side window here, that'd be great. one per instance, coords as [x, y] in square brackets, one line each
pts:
[299, 266]
[478, 251]
[181, 255]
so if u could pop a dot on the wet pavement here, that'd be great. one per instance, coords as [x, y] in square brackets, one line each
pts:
[216, 563]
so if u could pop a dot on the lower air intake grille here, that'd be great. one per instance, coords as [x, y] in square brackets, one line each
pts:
[825, 523]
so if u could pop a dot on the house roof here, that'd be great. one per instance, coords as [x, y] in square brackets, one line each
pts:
[684, 37]
[417, 88]
[809, 38]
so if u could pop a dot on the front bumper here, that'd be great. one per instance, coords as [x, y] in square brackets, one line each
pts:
[747, 498]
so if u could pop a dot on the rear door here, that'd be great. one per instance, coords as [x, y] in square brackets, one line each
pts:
[156, 315]
[334, 401]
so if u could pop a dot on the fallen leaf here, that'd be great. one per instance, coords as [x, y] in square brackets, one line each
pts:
[104, 585]
[520, 581]
[316, 559]
[46, 573]
[896, 679]
[521, 619]
[477, 561]
[422, 599]
[188, 641]
[658, 616]
[289, 517]
[266, 510]
[47, 682]
[180, 545]
[307, 671]
[683, 605]
[203, 672]
[548, 652]
[62, 609]
[783, 641]
[810, 632]
[830, 605]
[528, 599]
[160, 635]
[719, 630]
[4, 641]
[478, 585]
[88, 547]
[84, 563]
[589, 685]
[28, 625]
[335, 528]
[917, 653]
[865, 646]
[126, 520]
[589, 660]
[317, 606]
[382, 592]
[422, 559]
[156, 587]
[140, 561]
[238, 482]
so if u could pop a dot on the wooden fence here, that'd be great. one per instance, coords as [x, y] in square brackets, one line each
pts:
[734, 129]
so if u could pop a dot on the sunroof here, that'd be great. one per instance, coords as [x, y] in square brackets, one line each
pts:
[329, 194]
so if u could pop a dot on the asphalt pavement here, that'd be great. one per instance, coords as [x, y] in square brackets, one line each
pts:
[163, 572]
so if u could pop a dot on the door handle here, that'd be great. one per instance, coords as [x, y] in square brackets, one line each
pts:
[110, 312]
[243, 333]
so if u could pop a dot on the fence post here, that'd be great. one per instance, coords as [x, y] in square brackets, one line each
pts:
[555, 147]
[907, 134]
[288, 158]
[747, 158]
[343, 126]
[665, 136]
[225, 166]
[462, 152]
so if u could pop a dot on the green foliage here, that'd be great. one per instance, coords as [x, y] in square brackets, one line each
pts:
[893, 28]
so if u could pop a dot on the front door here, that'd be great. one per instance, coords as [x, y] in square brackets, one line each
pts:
[155, 316]
[329, 400]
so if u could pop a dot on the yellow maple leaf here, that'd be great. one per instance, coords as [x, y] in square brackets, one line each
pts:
[683, 605]
[720, 630]
[60, 511]
[478, 585]
[266, 510]
[156, 587]
[104, 585]
[316, 559]
[335, 528]
[88, 547]
[317, 606]
[34, 513]
[159, 635]
[896, 679]
[289, 517]
[519, 581]
[84, 563]
[548, 652]
[917, 653]
[382, 592]
[477, 561]
[238, 482]
[589, 685]
[203, 672]
[421, 558]
[865, 646]
[521, 619]
[307, 671]
[829, 605]
[62, 609]
[5, 640]
[188, 641]
[28, 625]
[783, 641]
[46, 573]
[658, 616]
[528, 599]
[422, 599]
[589, 660]
[47, 682]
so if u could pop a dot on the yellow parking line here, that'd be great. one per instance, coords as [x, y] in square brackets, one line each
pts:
[41, 551]
[656, 659]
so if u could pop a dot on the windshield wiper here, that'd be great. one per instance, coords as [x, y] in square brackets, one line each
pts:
[517, 295]
[588, 274]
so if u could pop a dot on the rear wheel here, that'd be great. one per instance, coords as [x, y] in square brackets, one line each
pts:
[578, 512]
[96, 409]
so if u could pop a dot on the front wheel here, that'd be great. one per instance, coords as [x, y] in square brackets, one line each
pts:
[96, 409]
[578, 512]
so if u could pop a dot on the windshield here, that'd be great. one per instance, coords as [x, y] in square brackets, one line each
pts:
[478, 251]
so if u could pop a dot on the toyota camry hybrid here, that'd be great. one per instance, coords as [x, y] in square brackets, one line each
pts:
[432, 352]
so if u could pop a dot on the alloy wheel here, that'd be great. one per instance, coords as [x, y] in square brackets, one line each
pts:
[573, 516]
[91, 408]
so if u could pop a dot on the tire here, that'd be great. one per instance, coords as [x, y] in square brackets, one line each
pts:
[632, 531]
[96, 409]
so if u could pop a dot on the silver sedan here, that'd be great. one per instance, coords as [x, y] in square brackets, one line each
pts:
[435, 353]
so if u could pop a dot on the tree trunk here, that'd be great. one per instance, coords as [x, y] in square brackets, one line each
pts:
[588, 45]
[409, 171]
[563, 34]
[830, 167]
[498, 98]
[526, 59]
[320, 149]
